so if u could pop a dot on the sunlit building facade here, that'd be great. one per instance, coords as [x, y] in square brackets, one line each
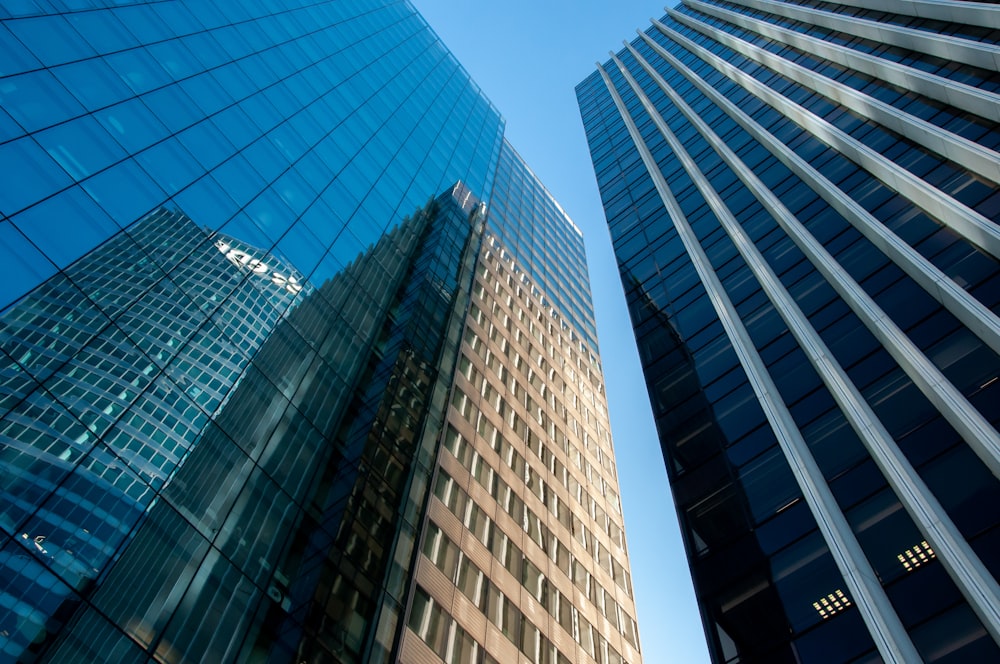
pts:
[249, 262]
[524, 553]
[803, 199]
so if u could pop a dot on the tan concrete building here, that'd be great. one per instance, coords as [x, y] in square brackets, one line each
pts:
[523, 555]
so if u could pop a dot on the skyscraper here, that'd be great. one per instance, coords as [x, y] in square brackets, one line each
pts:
[277, 380]
[803, 199]
[526, 466]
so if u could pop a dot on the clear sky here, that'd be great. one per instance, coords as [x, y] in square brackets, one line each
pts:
[528, 55]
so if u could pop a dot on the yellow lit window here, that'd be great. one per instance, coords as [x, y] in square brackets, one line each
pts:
[915, 557]
[833, 603]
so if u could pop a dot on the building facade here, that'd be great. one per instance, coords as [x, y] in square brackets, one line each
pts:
[246, 248]
[524, 553]
[803, 199]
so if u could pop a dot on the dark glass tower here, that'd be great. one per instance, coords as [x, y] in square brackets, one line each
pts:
[804, 203]
[243, 246]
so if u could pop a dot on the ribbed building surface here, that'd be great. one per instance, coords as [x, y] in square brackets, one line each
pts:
[804, 203]
[240, 244]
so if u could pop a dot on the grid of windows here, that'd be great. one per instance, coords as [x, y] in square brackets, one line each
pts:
[484, 594]
[443, 634]
[555, 546]
[526, 471]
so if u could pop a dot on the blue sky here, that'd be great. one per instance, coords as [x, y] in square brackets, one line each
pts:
[528, 55]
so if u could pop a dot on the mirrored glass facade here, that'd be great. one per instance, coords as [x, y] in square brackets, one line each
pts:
[803, 199]
[242, 243]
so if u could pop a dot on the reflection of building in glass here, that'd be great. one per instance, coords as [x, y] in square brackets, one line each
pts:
[803, 198]
[103, 401]
[102, 406]
[277, 481]
[237, 310]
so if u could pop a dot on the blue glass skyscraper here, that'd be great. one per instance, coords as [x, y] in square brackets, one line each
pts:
[242, 246]
[804, 200]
